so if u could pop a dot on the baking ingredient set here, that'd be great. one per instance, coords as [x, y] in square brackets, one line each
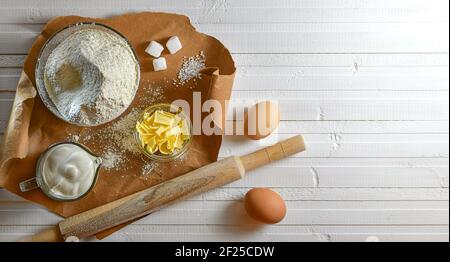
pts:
[93, 133]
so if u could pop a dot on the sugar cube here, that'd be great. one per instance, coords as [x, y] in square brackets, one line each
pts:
[159, 64]
[174, 44]
[154, 49]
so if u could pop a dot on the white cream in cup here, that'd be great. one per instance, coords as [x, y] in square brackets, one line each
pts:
[65, 172]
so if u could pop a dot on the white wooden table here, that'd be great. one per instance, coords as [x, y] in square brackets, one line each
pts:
[365, 81]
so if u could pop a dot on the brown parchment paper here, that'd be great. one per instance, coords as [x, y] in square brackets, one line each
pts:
[32, 127]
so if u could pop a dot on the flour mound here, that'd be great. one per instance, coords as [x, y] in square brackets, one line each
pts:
[91, 77]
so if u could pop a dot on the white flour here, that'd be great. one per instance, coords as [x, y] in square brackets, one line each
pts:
[149, 167]
[111, 160]
[92, 77]
[191, 69]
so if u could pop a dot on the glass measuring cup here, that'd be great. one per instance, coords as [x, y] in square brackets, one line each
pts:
[39, 181]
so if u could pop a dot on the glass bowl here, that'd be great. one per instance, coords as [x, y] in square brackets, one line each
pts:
[157, 156]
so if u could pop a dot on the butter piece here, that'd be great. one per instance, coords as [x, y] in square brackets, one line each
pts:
[163, 131]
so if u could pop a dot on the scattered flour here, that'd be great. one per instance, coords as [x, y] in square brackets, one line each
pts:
[154, 94]
[91, 77]
[148, 168]
[121, 134]
[74, 138]
[190, 69]
[111, 160]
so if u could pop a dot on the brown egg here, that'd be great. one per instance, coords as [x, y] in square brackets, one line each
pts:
[265, 205]
[261, 120]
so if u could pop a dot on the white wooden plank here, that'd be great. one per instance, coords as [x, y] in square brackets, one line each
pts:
[345, 145]
[341, 60]
[315, 78]
[18, 38]
[333, 109]
[429, 145]
[255, 233]
[340, 138]
[8, 82]
[346, 177]
[290, 38]
[360, 162]
[6, 196]
[242, 225]
[235, 214]
[211, 28]
[12, 60]
[317, 194]
[308, 237]
[310, 60]
[352, 127]
[233, 237]
[364, 109]
[351, 78]
[296, 205]
[224, 12]
[335, 194]
[247, 96]
[338, 176]
[368, 163]
[5, 106]
[333, 42]
[318, 37]
[228, 3]
[353, 70]
[343, 177]
[272, 229]
[349, 148]
[362, 127]
[278, 229]
[302, 217]
[9, 77]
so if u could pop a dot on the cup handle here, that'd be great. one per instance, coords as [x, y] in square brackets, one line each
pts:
[28, 185]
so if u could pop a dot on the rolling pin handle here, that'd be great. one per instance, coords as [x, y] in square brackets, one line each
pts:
[272, 153]
[49, 235]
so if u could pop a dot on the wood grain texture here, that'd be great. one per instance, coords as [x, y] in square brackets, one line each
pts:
[265, 78]
[365, 81]
[159, 196]
[291, 38]
[309, 60]
[254, 233]
[153, 199]
[265, 156]
[235, 11]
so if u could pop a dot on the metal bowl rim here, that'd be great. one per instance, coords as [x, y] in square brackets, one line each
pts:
[56, 113]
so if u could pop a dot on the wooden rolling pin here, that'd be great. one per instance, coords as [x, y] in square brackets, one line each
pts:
[154, 198]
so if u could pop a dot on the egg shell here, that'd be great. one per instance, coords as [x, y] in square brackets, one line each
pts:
[267, 113]
[265, 205]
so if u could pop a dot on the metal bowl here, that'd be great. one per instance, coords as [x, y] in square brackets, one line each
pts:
[48, 48]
